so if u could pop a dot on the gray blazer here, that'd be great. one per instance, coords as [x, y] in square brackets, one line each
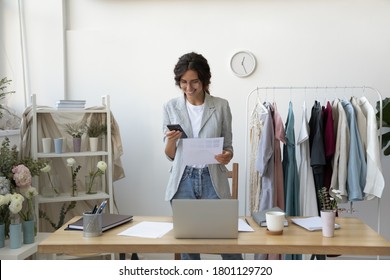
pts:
[216, 122]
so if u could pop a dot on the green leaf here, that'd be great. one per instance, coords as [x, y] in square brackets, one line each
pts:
[385, 112]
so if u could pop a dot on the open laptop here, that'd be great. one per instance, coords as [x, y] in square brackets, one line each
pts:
[205, 218]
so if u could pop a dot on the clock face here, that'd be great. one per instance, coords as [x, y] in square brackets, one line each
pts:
[243, 63]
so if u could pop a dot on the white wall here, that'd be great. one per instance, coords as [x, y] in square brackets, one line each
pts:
[128, 49]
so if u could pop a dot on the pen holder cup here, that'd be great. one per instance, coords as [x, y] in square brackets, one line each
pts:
[92, 224]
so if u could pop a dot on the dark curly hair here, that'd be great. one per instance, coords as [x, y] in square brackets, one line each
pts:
[197, 63]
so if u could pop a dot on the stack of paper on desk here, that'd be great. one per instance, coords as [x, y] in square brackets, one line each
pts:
[311, 223]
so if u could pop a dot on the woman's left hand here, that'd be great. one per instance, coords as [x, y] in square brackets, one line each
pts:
[225, 157]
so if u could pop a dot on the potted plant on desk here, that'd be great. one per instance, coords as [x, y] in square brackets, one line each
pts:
[328, 205]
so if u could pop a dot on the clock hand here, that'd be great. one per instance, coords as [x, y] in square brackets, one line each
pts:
[243, 66]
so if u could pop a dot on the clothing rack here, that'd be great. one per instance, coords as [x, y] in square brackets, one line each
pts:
[304, 89]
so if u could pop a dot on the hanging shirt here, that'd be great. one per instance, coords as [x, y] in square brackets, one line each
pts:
[256, 127]
[375, 182]
[340, 158]
[308, 197]
[357, 167]
[361, 122]
[329, 143]
[265, 161]
[290, 170]
[279, 138]
[317, 150]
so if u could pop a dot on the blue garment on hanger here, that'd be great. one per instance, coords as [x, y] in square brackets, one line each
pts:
[357, 166]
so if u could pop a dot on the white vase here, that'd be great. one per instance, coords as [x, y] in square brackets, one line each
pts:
[46, 145]
[93, 143]
[328, 220]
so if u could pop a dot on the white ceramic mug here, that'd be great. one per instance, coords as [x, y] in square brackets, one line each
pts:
[275, 221]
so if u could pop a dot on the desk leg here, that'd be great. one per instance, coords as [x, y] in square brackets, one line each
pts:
[318, 257]
[134, 256]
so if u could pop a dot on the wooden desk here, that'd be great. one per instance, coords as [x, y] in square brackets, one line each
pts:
[354, 238]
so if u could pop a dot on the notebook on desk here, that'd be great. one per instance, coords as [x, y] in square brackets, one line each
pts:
[108, 221]
[205, 218]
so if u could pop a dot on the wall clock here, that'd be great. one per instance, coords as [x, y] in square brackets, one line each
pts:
[243, 63]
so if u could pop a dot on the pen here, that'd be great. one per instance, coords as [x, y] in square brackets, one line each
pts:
[94, 209]
[101, 207]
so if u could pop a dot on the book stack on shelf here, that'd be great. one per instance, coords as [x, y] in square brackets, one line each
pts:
[70, 104]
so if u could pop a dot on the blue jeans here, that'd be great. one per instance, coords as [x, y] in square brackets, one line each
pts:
[196, 184]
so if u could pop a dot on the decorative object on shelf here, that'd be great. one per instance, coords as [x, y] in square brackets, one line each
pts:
[90, 180]
[50, 187]
[74, 170]
[94, 129]
[93, 144]
[15, 227]
[15, 236]
[15, 183]
[76, 130]
[46, 145]
[28, 231]
[76, 145]
[328, 204]
[58, 142]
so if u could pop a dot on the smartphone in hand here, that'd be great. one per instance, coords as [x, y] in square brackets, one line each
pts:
[177, 127]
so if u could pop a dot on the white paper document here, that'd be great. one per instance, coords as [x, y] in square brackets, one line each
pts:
[244, 226]
[148, 229]
[201, 150]
[311, 223]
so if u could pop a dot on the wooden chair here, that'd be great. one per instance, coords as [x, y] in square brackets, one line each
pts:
[233, 175]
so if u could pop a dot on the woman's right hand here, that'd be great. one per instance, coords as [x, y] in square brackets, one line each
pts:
[173, 135]
[170, 147]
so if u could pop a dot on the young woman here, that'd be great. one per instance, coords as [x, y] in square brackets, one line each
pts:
[200, 115]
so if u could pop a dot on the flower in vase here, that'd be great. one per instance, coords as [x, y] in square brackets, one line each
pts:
[15, 206]
[5, 185]
[46, 170]
[29, 212]
[71, 162]
[76, 129]
[101, 168]
[22, 176]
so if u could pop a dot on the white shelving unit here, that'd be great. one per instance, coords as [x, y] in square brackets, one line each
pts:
[104, 154]
[25, 251]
